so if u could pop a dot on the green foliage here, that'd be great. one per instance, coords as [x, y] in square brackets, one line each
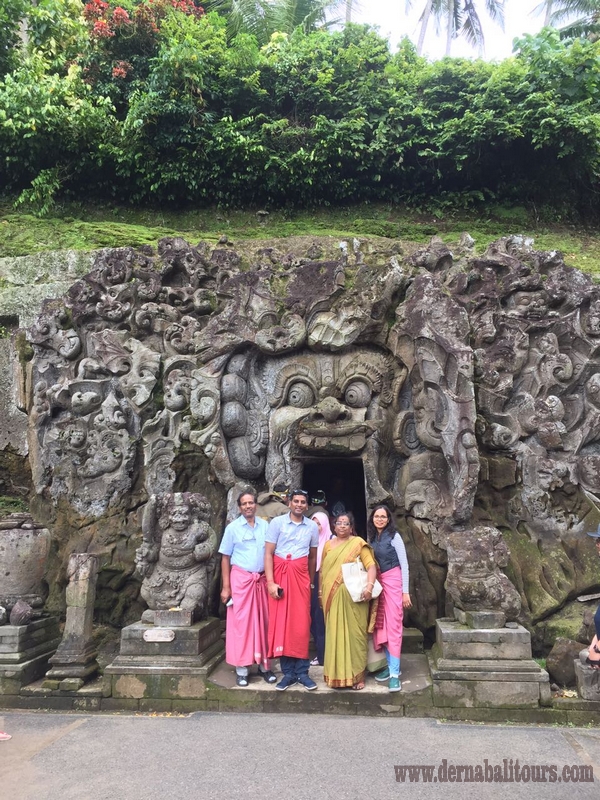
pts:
[11, 12]
[152, 102]
[11, 505]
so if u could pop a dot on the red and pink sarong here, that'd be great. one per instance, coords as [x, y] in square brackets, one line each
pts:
[289, 616]
[246, 639]
[390, 613]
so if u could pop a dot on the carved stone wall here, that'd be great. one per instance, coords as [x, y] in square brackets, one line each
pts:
[469, 388]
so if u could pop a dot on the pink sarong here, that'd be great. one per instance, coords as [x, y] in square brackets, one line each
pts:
[390, 613]
[247, 619]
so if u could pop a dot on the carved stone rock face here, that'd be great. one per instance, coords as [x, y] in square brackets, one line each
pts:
[469, 389]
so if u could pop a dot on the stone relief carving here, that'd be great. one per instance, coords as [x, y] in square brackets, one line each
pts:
[177, 558]
[469, 388]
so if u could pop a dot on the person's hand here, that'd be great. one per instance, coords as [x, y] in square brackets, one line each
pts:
[406, 601]
[273, 590]
[367, 595]
[225, 594]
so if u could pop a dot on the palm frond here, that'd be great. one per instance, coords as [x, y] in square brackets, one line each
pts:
[564, 9]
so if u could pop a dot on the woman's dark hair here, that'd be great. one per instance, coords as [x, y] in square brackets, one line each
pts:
[372, 530]
[351, 520]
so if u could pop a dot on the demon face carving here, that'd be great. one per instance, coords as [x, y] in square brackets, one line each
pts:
[291, 408]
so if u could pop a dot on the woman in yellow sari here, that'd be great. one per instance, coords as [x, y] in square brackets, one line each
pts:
[345, 621]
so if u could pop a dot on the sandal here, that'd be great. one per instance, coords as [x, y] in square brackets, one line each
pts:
[593, 663]
[358, 686]
[4, 737]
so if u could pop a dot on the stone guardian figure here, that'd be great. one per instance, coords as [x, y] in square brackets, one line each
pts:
[177, 555]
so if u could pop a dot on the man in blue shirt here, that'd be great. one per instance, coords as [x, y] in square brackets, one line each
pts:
[245, 591]
[290, 564]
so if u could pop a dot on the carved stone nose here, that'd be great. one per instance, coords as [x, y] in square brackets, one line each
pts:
[330, 410]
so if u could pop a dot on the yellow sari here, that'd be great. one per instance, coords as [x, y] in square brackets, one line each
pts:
[345, 621]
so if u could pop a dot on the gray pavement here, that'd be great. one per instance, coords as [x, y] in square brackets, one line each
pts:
[304, 757]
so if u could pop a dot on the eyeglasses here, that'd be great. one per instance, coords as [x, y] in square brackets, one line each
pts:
[298, 491]
[343, 524]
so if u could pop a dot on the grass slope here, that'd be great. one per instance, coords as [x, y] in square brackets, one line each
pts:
[90, 228]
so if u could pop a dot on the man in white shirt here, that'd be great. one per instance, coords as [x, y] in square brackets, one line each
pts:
[245, 591]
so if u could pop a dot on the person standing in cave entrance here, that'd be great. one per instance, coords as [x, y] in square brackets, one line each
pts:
[244, 591]
[290, 564]
[339, 499]
[273, 503]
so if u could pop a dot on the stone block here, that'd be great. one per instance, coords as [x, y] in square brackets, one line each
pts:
[480, 619]
[153, 685]
[14, 676]
[412, 641]
[588, 681]
[187, 641]
[173, 619]
[21, 638]
[71, 684]
[456, 641]
[486, 694]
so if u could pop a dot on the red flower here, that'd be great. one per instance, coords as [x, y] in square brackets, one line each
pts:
[120, 16]
[121, 69]
[102, 29]
[94, 9]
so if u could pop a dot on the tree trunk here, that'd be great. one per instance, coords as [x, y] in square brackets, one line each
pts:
[348, 11]
[450, 28]
[548, 13]
[424, 22]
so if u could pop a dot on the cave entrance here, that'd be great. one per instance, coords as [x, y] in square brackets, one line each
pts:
[343, 481]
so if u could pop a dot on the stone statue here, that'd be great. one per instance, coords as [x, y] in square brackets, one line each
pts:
[177, 557]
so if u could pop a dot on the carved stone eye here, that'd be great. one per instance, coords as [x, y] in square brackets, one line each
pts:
[300, 395]
[358, 395]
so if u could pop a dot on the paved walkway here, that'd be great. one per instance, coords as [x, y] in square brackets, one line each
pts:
[279, 757]
[415, 678]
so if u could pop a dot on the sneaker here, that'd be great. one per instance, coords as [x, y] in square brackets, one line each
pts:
[383, 675]
[315, 662]
[267, 675]
[395, 685]
[287, 680]
[241, 680]
[307, 682]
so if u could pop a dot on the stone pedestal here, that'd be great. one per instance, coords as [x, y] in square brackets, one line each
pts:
[486, 667]
[166, 662]
[586, 678]
[24, 652]
[75, 660]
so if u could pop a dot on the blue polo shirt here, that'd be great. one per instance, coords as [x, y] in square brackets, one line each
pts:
[244, 544]
[293, 539]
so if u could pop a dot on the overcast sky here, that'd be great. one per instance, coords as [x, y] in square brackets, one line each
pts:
[393, 22]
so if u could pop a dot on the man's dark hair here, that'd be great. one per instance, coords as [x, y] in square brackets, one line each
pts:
[301, 492]
[243, 494]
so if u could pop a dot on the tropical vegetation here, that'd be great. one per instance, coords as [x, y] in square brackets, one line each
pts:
[160, 102]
